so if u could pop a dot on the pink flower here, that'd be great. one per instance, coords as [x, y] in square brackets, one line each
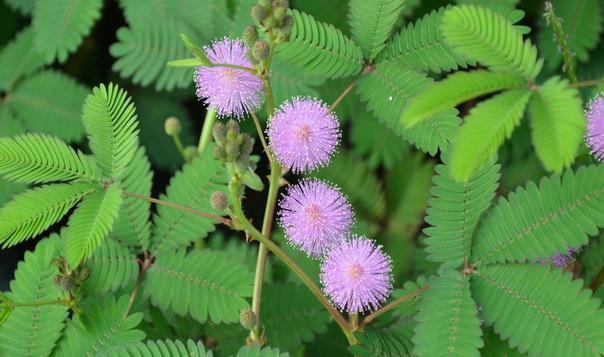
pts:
[356, 275]
[303, 134]
[595, 126]
[315, 216]
[232, 92]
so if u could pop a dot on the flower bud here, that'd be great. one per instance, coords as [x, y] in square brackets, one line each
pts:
[84, 274]
[261, 50]
[232, 151]
[279, 13]
[172, 126]
[250, 35]
[267, 4]
[63, 282]
[190, 153]
[248, 319]
[281, 3]
[219, 153]
[258, 13]
[232, 130]
[219, 132]
[219, 200]
[288, 25]
[247, 144]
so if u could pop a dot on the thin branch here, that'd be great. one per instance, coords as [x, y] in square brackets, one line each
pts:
[206, 132]
[342, 96]
[144, 266]
[393, 304]
[41, 303]
[220, 219]
[261, 136]
[597, 280]
[589, 83]
[226, 65]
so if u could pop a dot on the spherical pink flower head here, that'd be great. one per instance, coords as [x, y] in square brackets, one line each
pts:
[356, 275]
[303, 134]
[315, 216]
[595, 126]
[232, 92]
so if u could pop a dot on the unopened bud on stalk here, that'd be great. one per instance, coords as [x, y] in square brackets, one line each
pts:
[248, 319]
[219, 132]
[232, 130]
[63, 282]
[279, 13]
[172, 126]
[250, 35]
[258, 13]
[261, 50]
[219, 200]
[219, 153]
[190, 153]
[281, 3]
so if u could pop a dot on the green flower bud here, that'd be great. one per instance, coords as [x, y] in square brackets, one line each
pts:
[232, 130]
[261, 50]
[172, 126]
[250, 35]
[190, 153]
[247, 144]
[248, 319]
[281, 3]
[265, 3]
[259, 13]
[288, 25]
[219, 200]
[84, 274]
[219, 153]
[279, 13]
[232, 151]
[63, 282]
[219, 132]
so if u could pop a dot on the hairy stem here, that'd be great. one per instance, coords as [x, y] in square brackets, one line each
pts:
[206, 130]
[560, 36]
[220, 219]
[144, 265]
[589, 83]
[342, 95]
[597, 280]
[393, 304]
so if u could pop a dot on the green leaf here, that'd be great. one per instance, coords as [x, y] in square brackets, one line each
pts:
[582, 24]
[170, 348]
[112, 267]
[60, 27]
[455, 210]
[110, 121]
[24, 7]
[91, 223]
[33, 331]
[494, 346]
[320, 49]
[33, 211]
[39, 158]
[557, 123]
[448, 321]
[374, 141]
[19, 58]
[542, 221]
[550, 316]
[201, 284]
[489, 38]
[457, 88]
[383, 342]
[132, 226]
[257, 351]
[50, 102]
[101, 329]
[485, 129]
[350, 173]
[592, 260]
[288, 84]
[389, 89]
[9, 189]
[371, 22]
[191, 188]
[421, 46]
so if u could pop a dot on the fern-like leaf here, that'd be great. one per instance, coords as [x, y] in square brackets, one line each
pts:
[389, 89]
[112, 266]
[24, 7]
[455, 210]
[320, 49]
[457, 88]
[34, 330]
[350, 173]
[164, 348]
[60, 27]
[489, 38]
[371, 23]
[382, 342]
[582, 24]
[557, 123]
[39, 158]
[257, 351]
[191, 188]
[484, 131]
[19, 58]
[132, 226]
[33, 211]
[542, 221]
[528, 315]
[101, 329]
[448, 321]
[202, 284]
[421, 46]
[110, 121]
[51, 103]
[288, 84]
[91, 223]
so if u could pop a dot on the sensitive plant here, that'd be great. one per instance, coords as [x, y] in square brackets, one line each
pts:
[405, 253]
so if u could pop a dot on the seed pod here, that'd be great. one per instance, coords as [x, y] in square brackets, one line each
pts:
[248, 319]
[172, 126]
[261, 50]
[250, 35]
[219, 200]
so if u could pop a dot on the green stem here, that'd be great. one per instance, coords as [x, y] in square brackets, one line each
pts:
[179, 146]
[597, 280]
[342, 96]
[226, 65]
[206, 130]
[261, 137]
[272, 247]
[589, 83]
[42, 303]
[561, 41]
[393, 304]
